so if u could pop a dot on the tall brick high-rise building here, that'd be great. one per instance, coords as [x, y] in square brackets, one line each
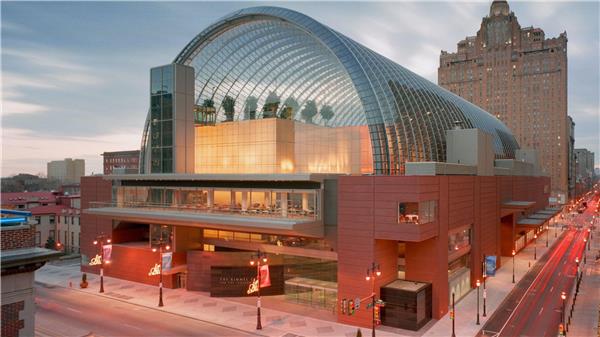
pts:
[520, 76]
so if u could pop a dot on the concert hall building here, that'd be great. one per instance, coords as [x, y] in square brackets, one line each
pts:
[271, 131]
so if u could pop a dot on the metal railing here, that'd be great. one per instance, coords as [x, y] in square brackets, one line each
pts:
[274, 212]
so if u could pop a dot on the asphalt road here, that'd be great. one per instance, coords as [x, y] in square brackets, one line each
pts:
[534, 307]
[63, 312]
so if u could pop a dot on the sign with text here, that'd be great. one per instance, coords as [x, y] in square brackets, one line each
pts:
[241, 281]
[96, 260]
[154, 270]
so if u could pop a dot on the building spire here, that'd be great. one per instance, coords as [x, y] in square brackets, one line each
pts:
[499, 7]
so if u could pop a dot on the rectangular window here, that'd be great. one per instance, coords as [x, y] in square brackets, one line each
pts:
[52, 219]
[38, 238]
[208, 248]
[52, 233]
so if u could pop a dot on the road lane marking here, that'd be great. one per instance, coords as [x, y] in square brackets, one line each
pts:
[74, 310]
[551, 290]
[541, 311]
[132, 326]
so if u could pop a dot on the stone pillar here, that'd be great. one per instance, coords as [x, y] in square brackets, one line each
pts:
[268, 199]
[244, 200]
[232, 199]
[284, 204]
[305, 201]
[210, 202]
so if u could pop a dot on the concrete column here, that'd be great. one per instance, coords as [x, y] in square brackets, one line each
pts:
[210, 198]
[284, 204]
[232, 199]
[305, 201]
[268, 199]
[244, 200]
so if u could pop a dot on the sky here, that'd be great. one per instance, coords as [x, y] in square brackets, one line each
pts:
[75, 75]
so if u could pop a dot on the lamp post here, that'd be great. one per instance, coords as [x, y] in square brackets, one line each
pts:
[484, 275]
[256, 259]
[563, 296]
[584, 252]
[100, 240]
[577, 271]
[161, 246]
[453, 316]
[555, 229]
[513, 255]
[547, 232]
[478, 284]
[534, 246]
[373, 272]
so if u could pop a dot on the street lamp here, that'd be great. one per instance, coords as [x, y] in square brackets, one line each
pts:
[584, 252]
[547, 232]
[563, 296]
[100, 240]
[160, 246]
[256, 259]
[372, 273]
[478, 284]
[453, 316]
[513, 255]
[535, 246]
[484, 275]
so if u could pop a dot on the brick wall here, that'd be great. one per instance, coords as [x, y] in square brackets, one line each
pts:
[17, 237]
[11, 324]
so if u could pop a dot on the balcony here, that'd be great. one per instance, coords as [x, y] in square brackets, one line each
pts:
[275, 220]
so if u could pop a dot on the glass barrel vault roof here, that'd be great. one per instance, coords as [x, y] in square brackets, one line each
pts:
[258, 51]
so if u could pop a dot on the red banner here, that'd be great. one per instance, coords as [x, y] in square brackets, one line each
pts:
[265, 279]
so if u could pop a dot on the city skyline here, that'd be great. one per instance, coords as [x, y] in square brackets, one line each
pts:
[92, 73]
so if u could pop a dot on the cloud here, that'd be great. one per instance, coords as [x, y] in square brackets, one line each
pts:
[40, 150]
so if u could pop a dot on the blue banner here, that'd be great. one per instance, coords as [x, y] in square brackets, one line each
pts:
[490, 265]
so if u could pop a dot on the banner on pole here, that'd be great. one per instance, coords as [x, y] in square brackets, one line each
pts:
[490, 265]
[167, 259]
[265, 278]
[106, 253]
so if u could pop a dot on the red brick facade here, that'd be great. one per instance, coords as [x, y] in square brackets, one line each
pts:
[20, 237]
[368, 228]
[11, 324]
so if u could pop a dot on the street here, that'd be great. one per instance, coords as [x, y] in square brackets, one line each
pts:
[534, 307]
[64, 312]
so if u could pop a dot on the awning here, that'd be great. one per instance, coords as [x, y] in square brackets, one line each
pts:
[518, 204]
[530, 222]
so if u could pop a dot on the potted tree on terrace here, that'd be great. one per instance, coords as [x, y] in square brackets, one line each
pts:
[309, 111]
[250, 108]
[326, 113]
[290, 106]
[228, 105]
[271, 105]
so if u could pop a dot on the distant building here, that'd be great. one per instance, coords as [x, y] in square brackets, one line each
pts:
[55, 215]
[519, 76]
[585, 170]
[20, 258]
[124, 161]
[66, 171]
[571, 156]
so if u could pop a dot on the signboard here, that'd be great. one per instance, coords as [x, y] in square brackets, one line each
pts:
[154, 270]
[96, 260]
[167, 260]
[238, 281]
[106, 253]
[357, 303]
[490, 265]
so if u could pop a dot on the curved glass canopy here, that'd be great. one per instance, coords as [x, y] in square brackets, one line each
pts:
[275, 61]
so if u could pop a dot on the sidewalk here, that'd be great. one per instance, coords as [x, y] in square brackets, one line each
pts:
[200, 306]
[498, 287]
[587, 307]
[232, 313]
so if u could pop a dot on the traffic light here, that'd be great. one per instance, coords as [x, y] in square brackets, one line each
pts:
[561, 330]
[377, 314]
[344, 306]
[351, 307]
[451, 314]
